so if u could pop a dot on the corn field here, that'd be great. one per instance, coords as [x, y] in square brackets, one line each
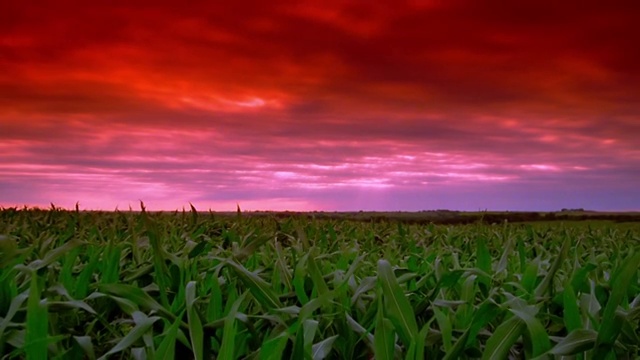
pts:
[145, 285]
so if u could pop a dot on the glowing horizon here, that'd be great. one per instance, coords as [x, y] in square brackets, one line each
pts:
[348, 106]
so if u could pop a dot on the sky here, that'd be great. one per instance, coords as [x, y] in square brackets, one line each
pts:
[320, 105]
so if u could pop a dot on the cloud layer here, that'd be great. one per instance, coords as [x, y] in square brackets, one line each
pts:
[346, 106]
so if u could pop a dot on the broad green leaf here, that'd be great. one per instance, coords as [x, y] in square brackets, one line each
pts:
[360, 330]
[229, 334]
[55, 254]
[215, 306]
[309, 327]
[576, 342]
[8, 251]
[37, 323]
[366, 284]
[483, 316]
[166, 349]
[281, 264]
[530, 276]
[138, 353]
[198, 249]
[571, 313]
[307, 309]
[485, 313]
[260, 289]
[352, 269]
[81, 288]
[16, 303]
[250, 247]
[545, 284]
[398, 309]
[501, 266]
[539, 337]
[273, 348]
[298, 345]
[195, 323]
[135, 295]
[142, 326]
[417, 347]
[147, 337]
[55, 306]
[384, 337]
[464, 313]
[483, 257]
[579, 278]
[503, 338]
[446, 329]
[87, 346]
[299, 275]
[611, 324]
[322, 349]
[316, 275]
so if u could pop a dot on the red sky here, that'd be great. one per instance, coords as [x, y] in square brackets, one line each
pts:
[333, 105]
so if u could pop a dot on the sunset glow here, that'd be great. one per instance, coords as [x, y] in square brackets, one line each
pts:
[333, 105]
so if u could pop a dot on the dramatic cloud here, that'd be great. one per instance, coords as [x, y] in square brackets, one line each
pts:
[341, 106]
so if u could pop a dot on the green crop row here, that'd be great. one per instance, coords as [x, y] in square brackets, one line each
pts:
[142, 285]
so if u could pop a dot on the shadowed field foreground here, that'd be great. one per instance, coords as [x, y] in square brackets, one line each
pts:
[157, 285]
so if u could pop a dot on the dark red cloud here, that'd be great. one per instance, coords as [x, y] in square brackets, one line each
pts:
[293, 104]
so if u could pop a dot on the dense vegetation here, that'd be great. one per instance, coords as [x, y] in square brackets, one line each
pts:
[157, 285]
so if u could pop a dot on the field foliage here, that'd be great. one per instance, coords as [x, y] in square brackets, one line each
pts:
[98, 285]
